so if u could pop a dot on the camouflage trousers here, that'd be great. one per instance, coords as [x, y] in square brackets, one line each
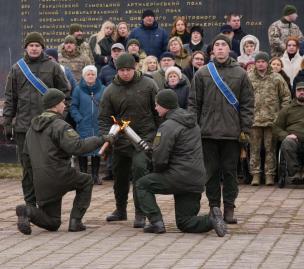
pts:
[260, 136]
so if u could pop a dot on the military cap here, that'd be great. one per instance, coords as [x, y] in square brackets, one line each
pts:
[52, 98]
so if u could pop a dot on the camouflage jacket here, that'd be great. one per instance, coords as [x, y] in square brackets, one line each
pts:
[271, 94]
[76, 62]
[84, 49]
[278, 32]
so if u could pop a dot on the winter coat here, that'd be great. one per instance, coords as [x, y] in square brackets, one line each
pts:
[159, 77]
[290, 121]
[244, 58]
[236, 41]
[84, 49]
[189, 71]
[153, 40]
[107, 73]
[182, 92]
[85, 109]
[271, 94]
[69, 75]
[183, 59]
[132, 101]
[177, 152]
[75, 61]
[278, 33]
[293, 66]
[22, 100]
[105, 45]
[49, 145]
[216, 117]
[185, 37]
[190, 48]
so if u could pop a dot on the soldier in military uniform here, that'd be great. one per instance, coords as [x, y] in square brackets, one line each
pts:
[279, 31]
[23, 100]
[50, 143]
[271, 93]
[129, 97]
[178, 168]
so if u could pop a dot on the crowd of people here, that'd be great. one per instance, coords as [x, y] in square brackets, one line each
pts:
[194, 102]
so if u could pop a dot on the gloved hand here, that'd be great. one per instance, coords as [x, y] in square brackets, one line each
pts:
[244, 138]
[8, 128]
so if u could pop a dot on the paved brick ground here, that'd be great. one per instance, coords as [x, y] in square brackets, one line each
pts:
[270, 234]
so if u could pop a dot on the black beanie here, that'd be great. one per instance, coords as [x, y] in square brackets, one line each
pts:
[34, 37]
[125, 60]
[75, 27]
[148, 13]
[261, 55]
[133, 41]
[167, 98]
[167, 54]
[289, 9]
[53, 53]
[222, 37]
[52, 98]
[197, 28]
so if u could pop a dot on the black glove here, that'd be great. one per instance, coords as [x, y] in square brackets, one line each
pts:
[8, 128]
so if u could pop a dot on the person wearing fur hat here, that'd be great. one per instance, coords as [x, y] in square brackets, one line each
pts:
[271, 94]
[133, 47]
[249, 47]
[178, 169]
[152, 38]
[196, 40]
[49, 145]
[85, 111]
[222, 124]
[176, 82]
[76, 30]
[130, 97]
[280, 30]
[23, 101]
[72, 58]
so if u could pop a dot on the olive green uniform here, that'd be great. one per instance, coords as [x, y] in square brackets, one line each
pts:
[50, 143]
[177, 169]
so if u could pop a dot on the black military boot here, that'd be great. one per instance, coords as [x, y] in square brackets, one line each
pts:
[95, 161]
[83, 164]
[157, 227]
[217, 221]
[23, 224]
[76, 225]
[139, 221]
[117, 215]
[229, 214]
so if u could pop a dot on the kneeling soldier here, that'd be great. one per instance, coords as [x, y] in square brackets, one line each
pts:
[50, 142]
[178, 169]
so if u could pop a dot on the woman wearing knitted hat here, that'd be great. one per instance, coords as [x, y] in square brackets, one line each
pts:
[178, 84]
[196, 42]
[85, 110]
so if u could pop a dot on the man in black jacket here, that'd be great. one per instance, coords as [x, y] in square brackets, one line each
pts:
[178, 168]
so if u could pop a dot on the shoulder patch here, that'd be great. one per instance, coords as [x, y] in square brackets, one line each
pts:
[71, 133]
[156, 140]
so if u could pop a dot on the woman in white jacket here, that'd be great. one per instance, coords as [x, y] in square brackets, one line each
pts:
[291, 58]
[249, 47]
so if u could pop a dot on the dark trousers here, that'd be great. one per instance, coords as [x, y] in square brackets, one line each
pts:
[48, 215]
[27, 174]
[124, 164]
[221, 159]
[187, 205]
[290, 149]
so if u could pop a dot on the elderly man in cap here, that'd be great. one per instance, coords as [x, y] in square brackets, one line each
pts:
[222, 98]
[49, 145]
[271, 94]
[279, 31]
[152, 38]
[167, 59]
[83, 46]
[130, 97]
[72, 58]
[178, 169]
[23, 99]
[289, 128]
[108, 72]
